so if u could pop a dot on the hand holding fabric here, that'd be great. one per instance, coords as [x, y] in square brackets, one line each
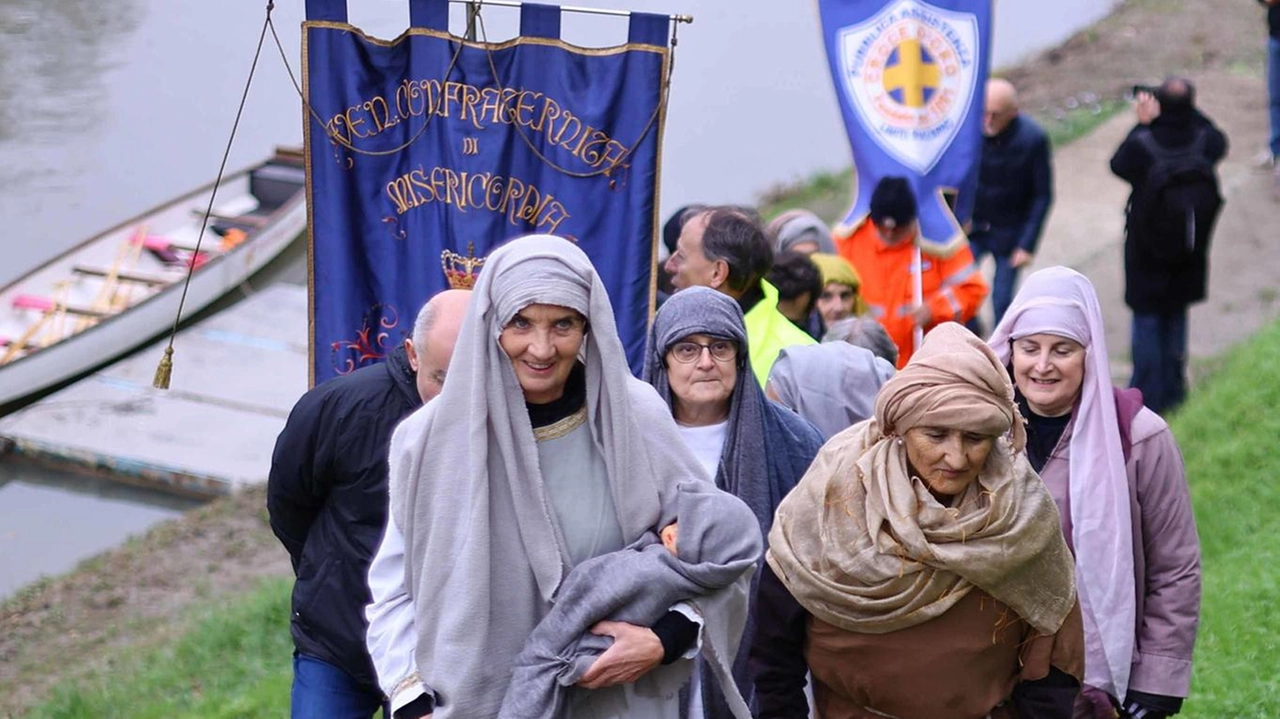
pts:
[635, 652]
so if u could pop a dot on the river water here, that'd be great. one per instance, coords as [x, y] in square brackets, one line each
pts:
[108, 107]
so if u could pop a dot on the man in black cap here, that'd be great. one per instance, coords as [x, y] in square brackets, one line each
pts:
[883, 250]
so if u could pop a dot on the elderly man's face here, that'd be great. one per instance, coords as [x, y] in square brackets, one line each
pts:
[1000, 109]
[689, 266]
[431, 364]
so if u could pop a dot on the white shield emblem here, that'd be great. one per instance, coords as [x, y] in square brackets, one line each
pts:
[910, 71]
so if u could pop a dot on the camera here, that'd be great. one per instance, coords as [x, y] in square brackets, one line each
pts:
[1139, 89]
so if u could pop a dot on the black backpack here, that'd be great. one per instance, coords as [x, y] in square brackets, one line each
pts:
[1179, 200]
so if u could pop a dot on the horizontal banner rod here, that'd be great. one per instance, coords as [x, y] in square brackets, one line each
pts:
[568, 8]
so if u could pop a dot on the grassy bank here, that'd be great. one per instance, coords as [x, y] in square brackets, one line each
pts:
[1227, 432]
[234, 661]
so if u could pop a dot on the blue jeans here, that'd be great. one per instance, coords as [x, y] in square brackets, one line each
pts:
[1159, 348]
[1273, 89]
[323, 691]
[1003, 283]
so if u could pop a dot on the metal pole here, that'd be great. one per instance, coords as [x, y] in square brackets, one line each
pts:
[565, 8]
[473, 9]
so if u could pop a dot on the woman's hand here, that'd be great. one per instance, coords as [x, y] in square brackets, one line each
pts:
[635, 651]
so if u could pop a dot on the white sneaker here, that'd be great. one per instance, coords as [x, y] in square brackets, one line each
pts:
[1264, 160]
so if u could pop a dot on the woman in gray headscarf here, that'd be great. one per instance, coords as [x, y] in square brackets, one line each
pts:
[540, 452]
[833, 385]
[753, 448]
[800, 231]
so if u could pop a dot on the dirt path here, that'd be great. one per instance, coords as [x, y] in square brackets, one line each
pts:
[139, 595]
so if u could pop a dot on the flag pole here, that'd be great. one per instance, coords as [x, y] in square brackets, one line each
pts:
[917, 293]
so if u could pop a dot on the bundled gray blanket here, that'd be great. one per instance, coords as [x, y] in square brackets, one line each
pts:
[718, 546]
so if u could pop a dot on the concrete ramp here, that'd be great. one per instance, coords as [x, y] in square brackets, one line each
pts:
[236, 375]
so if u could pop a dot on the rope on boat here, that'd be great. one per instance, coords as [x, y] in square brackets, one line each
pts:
[164, 371]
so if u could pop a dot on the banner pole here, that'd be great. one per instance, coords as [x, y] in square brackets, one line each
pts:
[917, 293]
[473, 11]
[474, 6]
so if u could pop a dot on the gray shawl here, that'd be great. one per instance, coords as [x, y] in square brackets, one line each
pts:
[796, 226]
[832, 385]
[483, 553]
[717, 546]
[767, 447]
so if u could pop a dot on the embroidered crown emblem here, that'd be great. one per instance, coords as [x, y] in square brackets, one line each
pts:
[461, 272]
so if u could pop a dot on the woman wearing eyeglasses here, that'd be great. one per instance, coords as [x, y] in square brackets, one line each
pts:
[753, 448]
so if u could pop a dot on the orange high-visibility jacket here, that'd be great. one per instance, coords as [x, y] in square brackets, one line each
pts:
[953, 287]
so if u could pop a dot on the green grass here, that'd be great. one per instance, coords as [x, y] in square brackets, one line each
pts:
[233, 663]
[1228, 433]
[1070, 125]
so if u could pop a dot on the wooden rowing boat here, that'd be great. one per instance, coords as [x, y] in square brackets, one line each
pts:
[117, 290]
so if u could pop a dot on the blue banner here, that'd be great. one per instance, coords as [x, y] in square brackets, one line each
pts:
[911, 77]
[430, 144]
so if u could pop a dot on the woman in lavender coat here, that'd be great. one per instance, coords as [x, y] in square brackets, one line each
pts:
[1116, 473]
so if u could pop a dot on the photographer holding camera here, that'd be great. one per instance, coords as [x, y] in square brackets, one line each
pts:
[1169, 158]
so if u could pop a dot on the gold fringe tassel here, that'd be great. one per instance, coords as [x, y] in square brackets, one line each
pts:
[164, 371]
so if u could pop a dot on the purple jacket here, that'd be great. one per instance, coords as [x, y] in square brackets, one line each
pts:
[1166, 559]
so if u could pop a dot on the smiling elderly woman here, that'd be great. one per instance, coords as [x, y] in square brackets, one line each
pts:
[752, 447]
[540, 453]
[1115, 471]
[918, 569]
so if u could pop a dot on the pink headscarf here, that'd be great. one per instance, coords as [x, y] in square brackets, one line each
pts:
[1062, 302]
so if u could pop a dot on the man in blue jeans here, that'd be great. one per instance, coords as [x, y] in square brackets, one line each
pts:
[327, 501]
[1166, 266]
[1273, 83]
[1015, 190]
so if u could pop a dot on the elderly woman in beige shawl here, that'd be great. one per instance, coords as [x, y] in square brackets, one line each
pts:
[918, 570]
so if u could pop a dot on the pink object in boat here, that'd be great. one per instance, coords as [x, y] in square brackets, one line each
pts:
[32, 302]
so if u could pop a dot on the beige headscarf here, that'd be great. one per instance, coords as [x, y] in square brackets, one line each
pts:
[863, 545]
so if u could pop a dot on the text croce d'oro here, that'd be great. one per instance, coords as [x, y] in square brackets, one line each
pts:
[481, 107]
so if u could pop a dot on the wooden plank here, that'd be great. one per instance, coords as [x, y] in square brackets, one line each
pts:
[131, 276]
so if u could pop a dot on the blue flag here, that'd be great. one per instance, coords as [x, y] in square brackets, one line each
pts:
[429, 144]
[911, 77]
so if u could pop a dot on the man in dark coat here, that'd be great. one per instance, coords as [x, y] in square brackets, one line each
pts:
[327, 500]
[1015, 190]
[1157, 288]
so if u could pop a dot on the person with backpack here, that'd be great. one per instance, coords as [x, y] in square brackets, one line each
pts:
[1170, 160]
[1114, 469]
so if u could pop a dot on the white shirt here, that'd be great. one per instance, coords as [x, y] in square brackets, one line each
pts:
[707, 444]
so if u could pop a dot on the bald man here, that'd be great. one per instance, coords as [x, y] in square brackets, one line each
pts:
[327, 500]
[1015, 190]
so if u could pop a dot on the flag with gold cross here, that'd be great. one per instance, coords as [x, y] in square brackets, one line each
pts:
[910, 76]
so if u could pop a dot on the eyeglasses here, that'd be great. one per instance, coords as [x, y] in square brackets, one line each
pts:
[688, 352]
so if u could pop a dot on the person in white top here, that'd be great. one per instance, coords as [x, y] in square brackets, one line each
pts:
[540, 452]
[752, 447]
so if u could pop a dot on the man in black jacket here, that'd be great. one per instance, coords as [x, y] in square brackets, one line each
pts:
[327, 499]
[1015, 190]
[1165, 274]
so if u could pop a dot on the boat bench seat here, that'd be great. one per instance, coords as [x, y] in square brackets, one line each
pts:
[46, 304]
[141, 278]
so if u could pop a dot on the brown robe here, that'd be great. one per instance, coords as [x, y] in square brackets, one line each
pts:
[964, 664]
[961, 665]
